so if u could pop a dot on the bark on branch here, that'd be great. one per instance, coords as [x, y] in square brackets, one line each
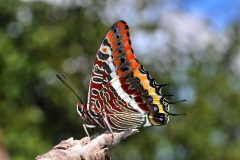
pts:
[94, 148]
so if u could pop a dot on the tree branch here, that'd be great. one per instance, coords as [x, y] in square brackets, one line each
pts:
[94, 148]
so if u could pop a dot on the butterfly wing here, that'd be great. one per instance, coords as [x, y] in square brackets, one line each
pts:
[121, 87]
[109, 60]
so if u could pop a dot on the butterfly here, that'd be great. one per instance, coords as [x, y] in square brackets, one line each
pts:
[122, 94]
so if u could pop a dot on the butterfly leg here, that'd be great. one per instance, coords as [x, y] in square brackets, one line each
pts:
[109, 127]
[85, 126]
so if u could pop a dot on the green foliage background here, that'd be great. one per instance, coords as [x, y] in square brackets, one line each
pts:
[37, 111]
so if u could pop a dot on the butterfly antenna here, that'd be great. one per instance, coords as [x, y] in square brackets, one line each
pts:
[67, 82]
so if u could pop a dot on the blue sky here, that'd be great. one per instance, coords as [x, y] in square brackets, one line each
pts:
[220, 13]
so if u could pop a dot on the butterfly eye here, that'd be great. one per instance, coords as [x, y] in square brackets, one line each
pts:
[79, 106]
[80, 109]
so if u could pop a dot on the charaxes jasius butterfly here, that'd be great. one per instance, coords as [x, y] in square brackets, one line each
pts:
[122, 95]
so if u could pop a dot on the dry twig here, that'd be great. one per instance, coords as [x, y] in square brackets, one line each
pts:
[94, 148]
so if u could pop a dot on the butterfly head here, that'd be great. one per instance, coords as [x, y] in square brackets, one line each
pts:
[81, 109]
